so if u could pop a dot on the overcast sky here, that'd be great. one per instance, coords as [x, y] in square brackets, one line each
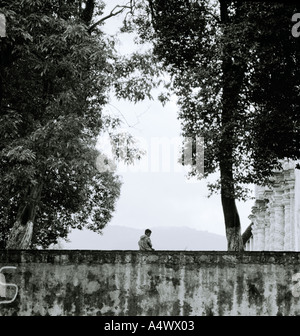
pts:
[155, 192]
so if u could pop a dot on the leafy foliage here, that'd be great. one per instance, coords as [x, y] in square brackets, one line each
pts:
[262, 77]
[56, 78]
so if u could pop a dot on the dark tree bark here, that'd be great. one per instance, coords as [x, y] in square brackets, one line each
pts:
[4, 56]
[21, 233]
[87, 13]
[232, 80]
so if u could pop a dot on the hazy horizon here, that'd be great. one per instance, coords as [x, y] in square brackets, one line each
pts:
[116, 237]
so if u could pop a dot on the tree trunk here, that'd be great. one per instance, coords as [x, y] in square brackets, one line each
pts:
[20, 236]
[232, 80]
[21, 233]
[231, 216]
[232, 223]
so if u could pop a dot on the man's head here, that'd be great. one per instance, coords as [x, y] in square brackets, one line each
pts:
[148, 232]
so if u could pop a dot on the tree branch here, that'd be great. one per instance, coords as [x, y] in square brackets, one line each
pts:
[111, 14]
[152, 9]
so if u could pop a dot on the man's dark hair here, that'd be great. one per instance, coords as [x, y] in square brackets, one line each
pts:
[148, 231]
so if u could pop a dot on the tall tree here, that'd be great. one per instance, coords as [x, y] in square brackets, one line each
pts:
[235, 68]
[57, 68]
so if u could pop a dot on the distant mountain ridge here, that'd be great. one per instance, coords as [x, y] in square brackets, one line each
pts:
[116, 237]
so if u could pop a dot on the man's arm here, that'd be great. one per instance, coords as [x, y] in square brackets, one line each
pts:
[149, 243]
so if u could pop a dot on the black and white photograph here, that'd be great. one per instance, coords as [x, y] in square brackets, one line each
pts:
[149, 161]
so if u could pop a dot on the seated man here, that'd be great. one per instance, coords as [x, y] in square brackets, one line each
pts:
[145, 241]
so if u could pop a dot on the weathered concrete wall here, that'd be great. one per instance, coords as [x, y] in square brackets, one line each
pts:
[158, 283]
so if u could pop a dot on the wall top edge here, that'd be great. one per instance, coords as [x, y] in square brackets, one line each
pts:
[167, 257]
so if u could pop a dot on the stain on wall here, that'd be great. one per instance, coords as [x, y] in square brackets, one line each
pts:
[158, 283]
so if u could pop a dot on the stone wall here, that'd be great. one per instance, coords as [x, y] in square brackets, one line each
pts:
[133, 283]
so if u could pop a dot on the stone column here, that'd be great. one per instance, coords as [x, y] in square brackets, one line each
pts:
[267, 231]
[288, 200]
[287, 222]
[258, 228]
[272, 227]
[296, 209]
[252, 218]
[292, 220]
[292, 189]
[278, 222]
[267, 197]
[259, 237]
[251, 244]
[261, 228]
